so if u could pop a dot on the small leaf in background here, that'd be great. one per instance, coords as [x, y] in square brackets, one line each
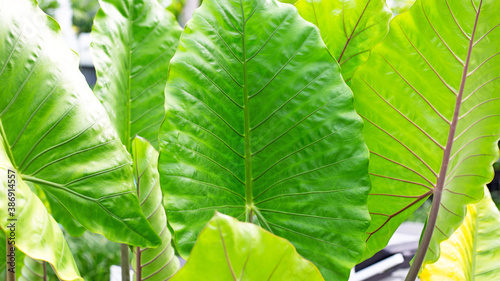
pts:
[429, 96]
[159, 263]
[259, 121]
[33, 270]
[473, 251]
[350, 29]
[231, 250]
[133, 42]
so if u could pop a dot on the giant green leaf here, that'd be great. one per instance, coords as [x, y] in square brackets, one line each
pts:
[26, 220]
[429, 96]
[56, 132]
[159, 263]
[473, 251]
[349, 28]
[133, 42]
[245, 252]
[259, 121]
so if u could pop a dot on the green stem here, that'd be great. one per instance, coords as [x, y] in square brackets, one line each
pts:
[125, 264]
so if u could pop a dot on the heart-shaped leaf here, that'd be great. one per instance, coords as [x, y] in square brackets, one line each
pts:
[349, 28]
[246, 252]
[159, 263]
[133, 42]
[56, 132]
[429, 95]
[473, 251]
[259, 121]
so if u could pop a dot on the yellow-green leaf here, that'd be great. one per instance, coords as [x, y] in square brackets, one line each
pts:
[231, 250]
[473, 251]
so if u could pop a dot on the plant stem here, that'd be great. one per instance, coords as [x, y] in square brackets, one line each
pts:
[138, 269]
[44, 270]
[438, 190]
[125, 263]
[11, 276]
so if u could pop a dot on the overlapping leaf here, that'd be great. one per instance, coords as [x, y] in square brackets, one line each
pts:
[246, 252]
[36, 233]
[429, 96]
[349, 28]
[159, 263]
[33, 270]
[133, 42]
[56, 132]
[473, 251]
[259, 121]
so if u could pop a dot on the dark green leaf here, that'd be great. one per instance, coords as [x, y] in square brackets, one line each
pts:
[259, 121]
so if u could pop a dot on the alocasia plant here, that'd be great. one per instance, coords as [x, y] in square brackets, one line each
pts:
[245, 252]
[350, 29]
[429, 97]
[133, 42]
[472, 252]
[259, 122]
[159, 263]
[56, 134]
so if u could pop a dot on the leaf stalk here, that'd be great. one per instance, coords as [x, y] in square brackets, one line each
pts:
[438, 190]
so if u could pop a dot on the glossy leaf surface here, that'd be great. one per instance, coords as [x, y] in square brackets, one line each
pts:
[350, 29]
[259, 121]
[37, 234]
[473, 251]
[133, 42]
[56, 132]
[159, 263]
[246, 252]
[429, 96]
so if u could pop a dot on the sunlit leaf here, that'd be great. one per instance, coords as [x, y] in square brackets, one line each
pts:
[350, 28]
[429, 96]
[245, 252]
[56, 132]
[473, 251]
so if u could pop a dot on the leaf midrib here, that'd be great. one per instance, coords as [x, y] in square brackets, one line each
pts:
[129, 77]
[246, 135]
[438, 190]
